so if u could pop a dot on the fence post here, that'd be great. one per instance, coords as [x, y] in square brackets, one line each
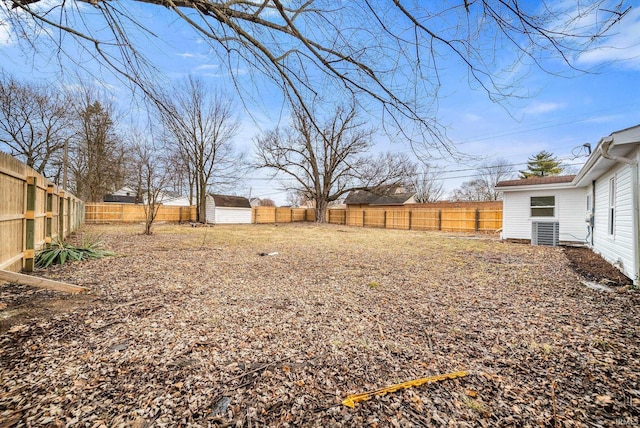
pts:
[61, 216]
[49, 220]
[364, 217]
[477, 219]
[410, 215]
[385, 218]
[291, 215]
[30, 232]
[69, 229]
[439, 219]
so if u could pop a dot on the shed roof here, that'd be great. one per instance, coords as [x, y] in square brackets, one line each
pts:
[531, 181]
[231, 201]
[387, 195]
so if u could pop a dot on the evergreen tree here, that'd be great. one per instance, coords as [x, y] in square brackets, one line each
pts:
[544, 164]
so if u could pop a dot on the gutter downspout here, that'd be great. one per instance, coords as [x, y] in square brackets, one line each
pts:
[633, 163]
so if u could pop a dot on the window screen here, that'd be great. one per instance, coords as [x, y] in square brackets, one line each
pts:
[543, 206]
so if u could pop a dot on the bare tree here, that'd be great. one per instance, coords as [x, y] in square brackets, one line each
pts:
[153, 176]
[472, 191]
[359, 48]
[324, 164]
[34, 123]
[201, 124]
[97, 160]
[266, 202]
[482, 187]
[492, 172]
[427, 185]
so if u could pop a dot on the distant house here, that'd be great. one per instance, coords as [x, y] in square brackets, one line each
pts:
[383, 195]
[180, 201]
[125, 195]
[598, 207]
[223, 209]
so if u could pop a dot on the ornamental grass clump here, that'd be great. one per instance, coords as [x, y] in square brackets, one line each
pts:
[61, 252]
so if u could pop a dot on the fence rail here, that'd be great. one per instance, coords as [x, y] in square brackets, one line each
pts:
[33, 212]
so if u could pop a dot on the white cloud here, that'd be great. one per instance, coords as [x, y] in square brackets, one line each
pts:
[543, 107]
[187, 55]
[621, 47]
[207, 67]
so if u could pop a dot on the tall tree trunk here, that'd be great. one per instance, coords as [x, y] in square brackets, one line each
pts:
[321, 210]
[202, 209]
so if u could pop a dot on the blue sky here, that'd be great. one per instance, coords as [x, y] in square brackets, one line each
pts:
[558, 114]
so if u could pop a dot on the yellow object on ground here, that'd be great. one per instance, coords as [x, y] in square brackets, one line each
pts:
[351, 400]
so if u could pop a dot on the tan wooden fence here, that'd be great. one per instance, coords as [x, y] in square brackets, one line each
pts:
[33, 212]
[130, 213]
[455, 217]
[265, 215]
[446, 219]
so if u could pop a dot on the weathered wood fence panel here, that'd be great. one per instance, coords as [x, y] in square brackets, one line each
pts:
[266, 215]
[484, 218]
[33, 212]
[132, 213]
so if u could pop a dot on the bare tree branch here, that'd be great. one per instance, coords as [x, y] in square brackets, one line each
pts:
[388, 54]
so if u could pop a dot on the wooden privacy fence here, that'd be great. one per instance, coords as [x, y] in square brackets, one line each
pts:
[130, 213]
[264, 215]
[33, 212]
[445, 219]
[452, 217]
[461, 217]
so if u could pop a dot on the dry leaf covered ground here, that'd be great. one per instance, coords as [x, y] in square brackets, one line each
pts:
[192, 327]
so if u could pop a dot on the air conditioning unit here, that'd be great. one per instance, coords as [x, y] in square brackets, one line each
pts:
[545, 233]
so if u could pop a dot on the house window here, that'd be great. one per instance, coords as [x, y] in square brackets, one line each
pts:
[543, 206]
[612, 205]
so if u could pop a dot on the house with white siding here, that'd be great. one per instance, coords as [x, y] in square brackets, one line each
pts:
[223, 209]
[598, 207]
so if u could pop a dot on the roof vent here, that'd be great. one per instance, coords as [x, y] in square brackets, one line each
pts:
[545, 233]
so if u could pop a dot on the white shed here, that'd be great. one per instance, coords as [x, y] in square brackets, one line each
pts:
[222, 209]
[598, 207]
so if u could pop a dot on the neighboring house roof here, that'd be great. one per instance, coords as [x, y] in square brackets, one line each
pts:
[125, 191]
[387, 195]
[231, 201]
[121, 199]
[533, 181]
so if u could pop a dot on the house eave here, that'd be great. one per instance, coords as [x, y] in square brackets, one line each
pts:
[619, 144]
[547, 186]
